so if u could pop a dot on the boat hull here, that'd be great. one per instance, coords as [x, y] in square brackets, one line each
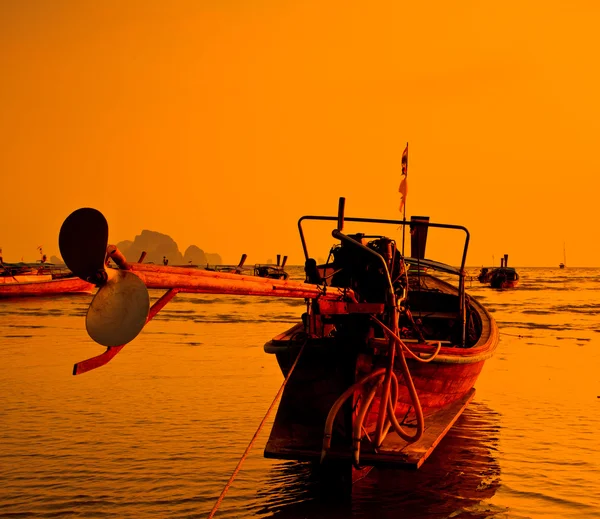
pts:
[46, 287]
[504, 277]
[333, 362]
[505, 284]
[437, 384]
[444, 386]
[321, 378]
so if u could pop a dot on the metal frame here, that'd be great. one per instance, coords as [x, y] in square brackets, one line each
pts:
[461, 273]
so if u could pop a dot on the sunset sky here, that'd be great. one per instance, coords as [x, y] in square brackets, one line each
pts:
[220, 123]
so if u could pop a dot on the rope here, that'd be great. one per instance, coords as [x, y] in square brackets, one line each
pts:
[262, 423]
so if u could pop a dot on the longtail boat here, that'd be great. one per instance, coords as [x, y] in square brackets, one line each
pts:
[504, 277]
[377, 369]
[235, 269]
[500, 277]
[272, 271]
[22, 280]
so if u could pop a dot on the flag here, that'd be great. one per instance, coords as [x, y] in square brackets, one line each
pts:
[403, 189]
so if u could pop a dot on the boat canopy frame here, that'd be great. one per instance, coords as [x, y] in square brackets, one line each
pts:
[442, 267]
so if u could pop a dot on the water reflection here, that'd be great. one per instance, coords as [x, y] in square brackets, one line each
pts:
[456, 481]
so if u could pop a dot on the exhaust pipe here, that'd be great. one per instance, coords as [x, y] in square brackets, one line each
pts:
[418, 236]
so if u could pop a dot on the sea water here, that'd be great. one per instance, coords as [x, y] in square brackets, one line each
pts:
[159, 430]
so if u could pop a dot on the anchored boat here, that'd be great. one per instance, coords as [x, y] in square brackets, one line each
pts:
[377, 369]
[504, 277]
[237, 269]
[500, 277]
[272, 271]
[563, 263]
[25, 280]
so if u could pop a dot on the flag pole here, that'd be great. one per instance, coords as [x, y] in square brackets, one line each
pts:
[403, 227]
[404, 165]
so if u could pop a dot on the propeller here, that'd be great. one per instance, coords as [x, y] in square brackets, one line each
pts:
[82, 241]
[119, 310]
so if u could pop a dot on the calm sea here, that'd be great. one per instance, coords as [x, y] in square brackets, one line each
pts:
[159, 430]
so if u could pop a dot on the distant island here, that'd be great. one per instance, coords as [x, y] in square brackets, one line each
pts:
[158, 246]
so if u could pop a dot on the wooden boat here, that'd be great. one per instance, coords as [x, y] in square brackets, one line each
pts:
[377, 369]
[40, 280]
[485, 274]
[501, 277]
[504, 277]
[272, 271]
[235, 269]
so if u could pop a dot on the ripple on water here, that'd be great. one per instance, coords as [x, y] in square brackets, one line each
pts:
[158, 431]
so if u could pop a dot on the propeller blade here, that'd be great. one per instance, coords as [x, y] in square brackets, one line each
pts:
[82, 241]
[119, 309]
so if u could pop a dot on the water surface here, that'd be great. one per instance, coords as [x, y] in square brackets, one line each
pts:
[158, 431]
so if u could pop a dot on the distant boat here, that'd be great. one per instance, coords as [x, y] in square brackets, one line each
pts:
[272, 271]
[485, 275]
[26, 280]
[235, 269]
[504, 277]
[564, 262]
[499, 277]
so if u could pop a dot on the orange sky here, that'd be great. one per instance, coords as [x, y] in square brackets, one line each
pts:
[220, 123]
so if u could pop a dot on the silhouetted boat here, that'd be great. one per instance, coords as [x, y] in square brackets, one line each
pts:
[485, 274]
[22, 279]
[500, 277]
[235, 269]
[272, 271]
[504, 277]
[379, 366]
[564, 261]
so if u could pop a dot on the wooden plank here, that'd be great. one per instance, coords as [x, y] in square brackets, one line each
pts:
[300, 442]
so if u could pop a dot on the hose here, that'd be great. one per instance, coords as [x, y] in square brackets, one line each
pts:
[403, 345]
[386, 417]
[358, 423]
[338, 404]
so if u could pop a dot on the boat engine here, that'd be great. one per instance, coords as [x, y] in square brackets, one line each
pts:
[355, 268]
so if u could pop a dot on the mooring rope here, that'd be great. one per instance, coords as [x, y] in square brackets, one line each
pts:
[262, 423]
